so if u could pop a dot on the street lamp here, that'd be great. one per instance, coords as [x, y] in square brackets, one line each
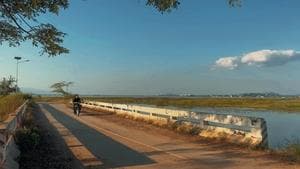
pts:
[17, 72]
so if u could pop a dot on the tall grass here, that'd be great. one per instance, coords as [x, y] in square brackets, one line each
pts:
[9, 103]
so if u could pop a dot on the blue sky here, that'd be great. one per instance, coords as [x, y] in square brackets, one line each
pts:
[126, 48]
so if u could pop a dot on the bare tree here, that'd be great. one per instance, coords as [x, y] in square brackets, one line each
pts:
[61, 88]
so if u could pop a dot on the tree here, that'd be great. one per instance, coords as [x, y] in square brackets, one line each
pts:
[59, 87]
[7, 86]
[19, 22]
[68, 84]
[167, 5]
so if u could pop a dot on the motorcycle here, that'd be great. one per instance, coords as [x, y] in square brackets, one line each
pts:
[77, 108]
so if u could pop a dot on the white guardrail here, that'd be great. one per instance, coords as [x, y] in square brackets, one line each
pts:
[8, 149]
[252, 129]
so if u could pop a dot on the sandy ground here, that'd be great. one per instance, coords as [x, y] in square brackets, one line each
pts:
[123, 143]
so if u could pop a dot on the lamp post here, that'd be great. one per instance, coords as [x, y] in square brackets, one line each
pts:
[17, 72]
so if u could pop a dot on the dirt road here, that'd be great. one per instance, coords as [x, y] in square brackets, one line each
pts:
[97, 139]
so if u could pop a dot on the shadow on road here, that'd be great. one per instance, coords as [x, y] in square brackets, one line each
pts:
[109, 151]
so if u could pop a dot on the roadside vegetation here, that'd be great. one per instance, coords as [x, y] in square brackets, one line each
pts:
[276, 104]
[9, 104]
[292, 151]
[10, 97]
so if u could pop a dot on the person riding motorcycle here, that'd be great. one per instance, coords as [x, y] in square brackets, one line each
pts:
[76, 100]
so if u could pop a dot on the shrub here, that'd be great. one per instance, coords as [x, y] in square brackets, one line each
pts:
[27, 139]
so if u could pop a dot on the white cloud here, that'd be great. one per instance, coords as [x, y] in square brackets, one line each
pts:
[270, 57]
[227, 62]
[259, 58]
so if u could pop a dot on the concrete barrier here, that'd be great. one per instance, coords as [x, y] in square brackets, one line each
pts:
[252, 130]
[9, 151]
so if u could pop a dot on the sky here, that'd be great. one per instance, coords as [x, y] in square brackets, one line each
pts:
[203, 47]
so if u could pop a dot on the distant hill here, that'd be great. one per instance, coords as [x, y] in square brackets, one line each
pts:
[266, 94]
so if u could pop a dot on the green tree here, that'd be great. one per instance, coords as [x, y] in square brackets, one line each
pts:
[61, 88]
[7, 86]
[19, 23]
[167, 5]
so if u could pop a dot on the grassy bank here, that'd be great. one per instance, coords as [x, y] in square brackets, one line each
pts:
[276, 104]
[9, 103]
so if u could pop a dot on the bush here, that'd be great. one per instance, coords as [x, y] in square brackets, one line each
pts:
[27, 139]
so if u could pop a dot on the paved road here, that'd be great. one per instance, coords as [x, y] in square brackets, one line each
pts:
[112, 144]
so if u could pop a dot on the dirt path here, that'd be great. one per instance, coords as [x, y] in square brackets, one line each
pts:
[124, 145]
